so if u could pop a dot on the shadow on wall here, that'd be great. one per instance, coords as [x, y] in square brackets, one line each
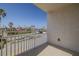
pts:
[74, 53]
[35, 51]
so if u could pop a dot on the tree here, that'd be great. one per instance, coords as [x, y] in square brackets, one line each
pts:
[32, 28]
[41, 30]
[29, 30]
[10, 25]
[2, 14]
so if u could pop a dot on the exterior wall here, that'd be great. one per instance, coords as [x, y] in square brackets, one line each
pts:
[64, 25]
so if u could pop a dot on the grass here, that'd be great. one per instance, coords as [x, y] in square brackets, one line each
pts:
[16, 33]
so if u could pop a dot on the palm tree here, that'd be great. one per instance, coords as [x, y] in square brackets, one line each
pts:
[10, 25]
[2, 14]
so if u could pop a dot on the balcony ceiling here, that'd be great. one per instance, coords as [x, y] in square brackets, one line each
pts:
[51, 6]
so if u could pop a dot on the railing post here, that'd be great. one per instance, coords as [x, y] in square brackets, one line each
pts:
[24, 43]
[34, 40]
[6, 45]
[11, 46]
[1, 46]
[18, 44]
[21, 43]
[15, 46]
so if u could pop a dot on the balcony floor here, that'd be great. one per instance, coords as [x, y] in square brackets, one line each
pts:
[53, 51]
[49, 50]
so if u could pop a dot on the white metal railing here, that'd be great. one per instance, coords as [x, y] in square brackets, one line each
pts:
[15, 45]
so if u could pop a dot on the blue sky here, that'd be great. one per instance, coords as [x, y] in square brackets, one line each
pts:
[24, 14]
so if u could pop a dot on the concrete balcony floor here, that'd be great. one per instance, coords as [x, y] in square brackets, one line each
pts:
[49, 50]
[53, 51]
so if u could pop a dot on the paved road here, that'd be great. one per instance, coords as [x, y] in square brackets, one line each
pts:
[21, 43]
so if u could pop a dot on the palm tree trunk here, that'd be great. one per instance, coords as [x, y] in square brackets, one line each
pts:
[0, 26]
[0, 22]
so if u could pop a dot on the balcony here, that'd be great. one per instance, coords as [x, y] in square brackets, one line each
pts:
[47, 49]
[62, 38]
[33, 45]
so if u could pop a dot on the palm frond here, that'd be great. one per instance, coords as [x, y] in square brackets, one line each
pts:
[4, 14]
[1, 11]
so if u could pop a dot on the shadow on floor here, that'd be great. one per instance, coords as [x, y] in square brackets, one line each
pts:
[37, 50]
[34, 51]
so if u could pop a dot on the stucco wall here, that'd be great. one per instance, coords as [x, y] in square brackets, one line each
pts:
[64, 24]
